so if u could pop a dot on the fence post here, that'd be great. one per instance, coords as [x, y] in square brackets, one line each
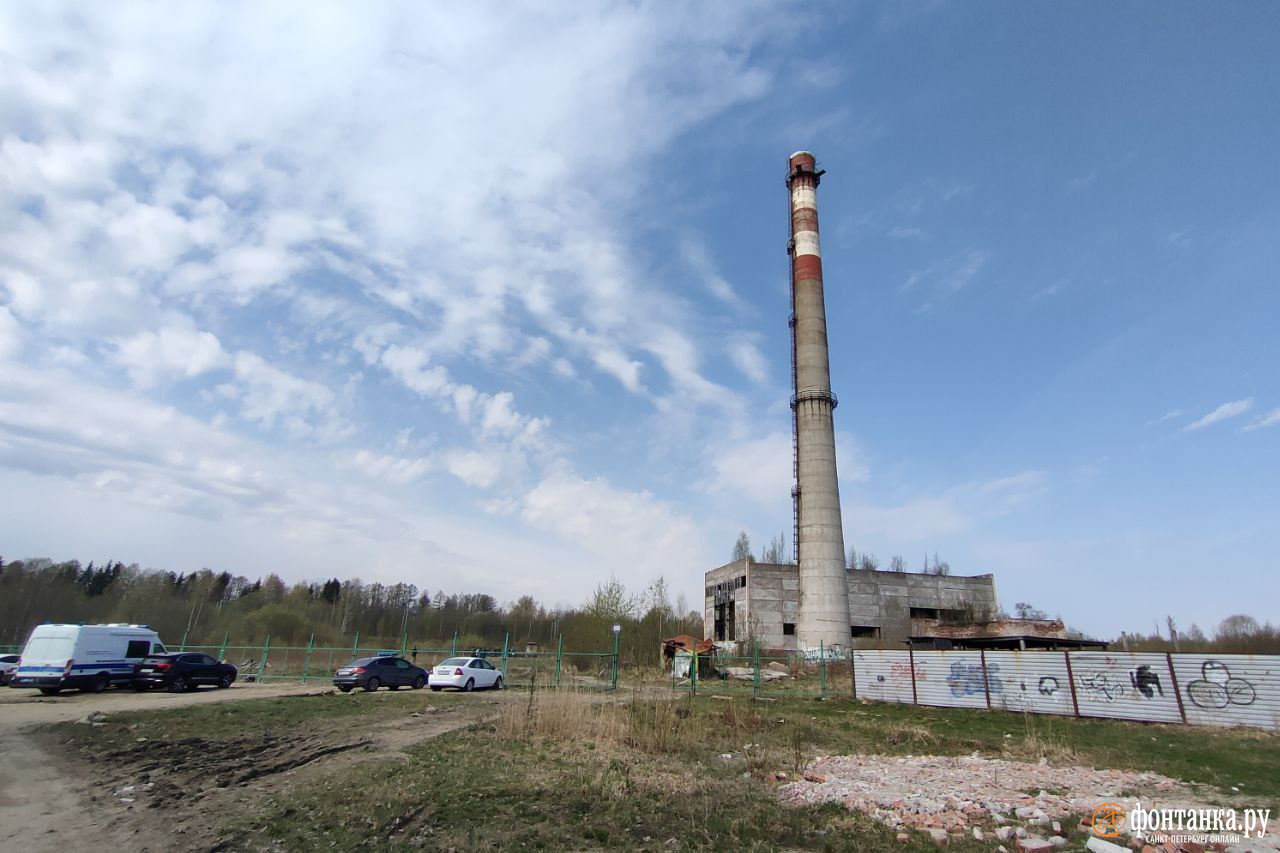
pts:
[355, 646]
[911, 660]
[615, 662]
[559, 658]
[222, 652]
[755, 690]
[1182, 710]
[693, 673]
[505, 638]
[306, 661]
[262, 665]
[454, 653]
[1071, 680]
[404, 644]
[822, 666]
[853, 675]
[183, 647]
[986, 684]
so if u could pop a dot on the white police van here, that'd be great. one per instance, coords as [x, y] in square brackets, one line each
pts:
[86, 657]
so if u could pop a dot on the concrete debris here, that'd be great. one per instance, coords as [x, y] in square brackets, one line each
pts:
[1035, 844]
[93, 718]
[939, 836]
[945, 795]
[778, 666]
[747, 673]
[1098, 845]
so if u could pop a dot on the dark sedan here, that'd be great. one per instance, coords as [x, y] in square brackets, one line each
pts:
[182, 672]
[382, 671]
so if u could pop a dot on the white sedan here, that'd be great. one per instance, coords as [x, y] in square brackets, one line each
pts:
[8, 663]
[465, 674]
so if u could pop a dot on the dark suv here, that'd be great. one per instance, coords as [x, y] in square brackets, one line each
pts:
[182, 672]
[372, 673]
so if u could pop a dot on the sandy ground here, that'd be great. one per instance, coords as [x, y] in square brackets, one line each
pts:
[50, 801]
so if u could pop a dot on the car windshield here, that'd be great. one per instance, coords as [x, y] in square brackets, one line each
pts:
[362, 662]
[10, 658]
[454, 662]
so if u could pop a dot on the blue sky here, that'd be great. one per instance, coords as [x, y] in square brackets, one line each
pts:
[495, 299]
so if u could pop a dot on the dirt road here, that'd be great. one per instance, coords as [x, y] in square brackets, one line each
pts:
[47, 800]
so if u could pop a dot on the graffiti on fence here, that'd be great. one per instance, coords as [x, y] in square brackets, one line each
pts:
[968, 679]
[1145, 681]
[832, 653]
[1218, 688]
[1103, 687]
[902, 670]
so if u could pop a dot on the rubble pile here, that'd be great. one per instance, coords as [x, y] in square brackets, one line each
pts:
[1033, 807]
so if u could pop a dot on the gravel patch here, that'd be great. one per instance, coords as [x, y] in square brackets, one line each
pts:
[953, 794]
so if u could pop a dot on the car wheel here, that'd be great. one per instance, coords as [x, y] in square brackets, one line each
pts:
[179, 685]
[497, 685]
[419, 683]
[50, 691]
[372, 684]
[469, 686]
[224, 682]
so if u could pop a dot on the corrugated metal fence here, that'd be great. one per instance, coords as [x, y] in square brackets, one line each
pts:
[1214, 690]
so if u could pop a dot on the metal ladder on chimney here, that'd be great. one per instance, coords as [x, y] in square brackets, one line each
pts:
[795, 409]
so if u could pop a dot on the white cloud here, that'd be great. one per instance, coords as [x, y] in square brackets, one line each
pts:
[746, 356]
[950, 512]
[1167, 416]
[758, 469]
[1270, 419]
[963, 270]
[1222, 413]
[397, 469]
[473, 467]
[632, 532]
[175, 351]
[271, 397]
[699, 261]
[10, 335]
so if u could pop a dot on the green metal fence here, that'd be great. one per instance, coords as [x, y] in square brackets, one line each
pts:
[272, 661]
[763, 674]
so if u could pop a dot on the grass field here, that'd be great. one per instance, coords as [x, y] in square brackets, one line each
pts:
[549, 771]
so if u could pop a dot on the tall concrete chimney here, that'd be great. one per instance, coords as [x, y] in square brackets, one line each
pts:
[819, 536]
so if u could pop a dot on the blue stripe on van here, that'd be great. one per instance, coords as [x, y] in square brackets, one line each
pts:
[35, 670]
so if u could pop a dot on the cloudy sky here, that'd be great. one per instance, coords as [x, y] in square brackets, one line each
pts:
[494, 298]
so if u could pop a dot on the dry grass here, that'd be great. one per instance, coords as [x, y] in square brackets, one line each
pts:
[1038, 742]
[909, 735]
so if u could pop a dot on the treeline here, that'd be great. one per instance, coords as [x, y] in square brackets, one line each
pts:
[204, 606]
[1240, 634]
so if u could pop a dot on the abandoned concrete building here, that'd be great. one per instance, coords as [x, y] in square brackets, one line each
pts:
[746, 600]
